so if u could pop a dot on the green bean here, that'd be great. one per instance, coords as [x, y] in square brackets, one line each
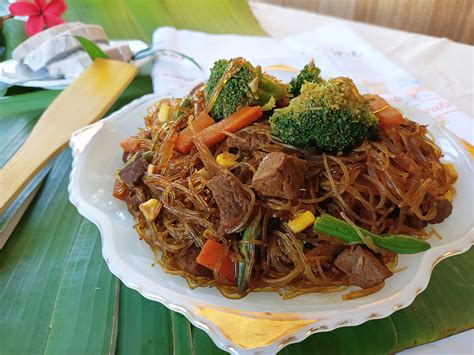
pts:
[398, 243]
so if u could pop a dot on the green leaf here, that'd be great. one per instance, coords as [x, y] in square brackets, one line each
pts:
[57, 295]
[92, 49]
[13, 32]
[139, 18]
[86, 304]
[145, 326]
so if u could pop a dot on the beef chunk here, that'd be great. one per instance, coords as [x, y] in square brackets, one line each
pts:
[131, 173]
[444, 210]
[188, 263]
[414, 222]
[125, 156]
[326, 249]
[248, 140]
[280, 175]
[232, 200]
[362, 267]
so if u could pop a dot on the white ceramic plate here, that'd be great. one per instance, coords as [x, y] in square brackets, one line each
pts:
[9, 73]
[260, 322]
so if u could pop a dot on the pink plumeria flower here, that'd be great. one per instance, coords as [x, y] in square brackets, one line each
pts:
[40, 14]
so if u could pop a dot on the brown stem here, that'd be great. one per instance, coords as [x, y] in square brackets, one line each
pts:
[4, 18]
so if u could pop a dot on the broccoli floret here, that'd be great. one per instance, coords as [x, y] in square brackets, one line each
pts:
[331, 116]
[309, 73]
[238, 84]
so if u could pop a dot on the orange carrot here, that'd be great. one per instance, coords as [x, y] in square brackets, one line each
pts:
[130, 144]
[184, 143]
[388, 116]
[213, 252]
[233, 123]
[119, 190]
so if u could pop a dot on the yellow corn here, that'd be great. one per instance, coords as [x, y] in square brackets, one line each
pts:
[150, 209]
[303, 221]
[448, 195]
[226, 160]
[450, 170]
[164, 113]
[151, 169]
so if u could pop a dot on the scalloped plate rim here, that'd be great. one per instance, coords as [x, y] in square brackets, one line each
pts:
[323, 322]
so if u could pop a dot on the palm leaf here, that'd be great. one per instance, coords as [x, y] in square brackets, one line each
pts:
[51, 271]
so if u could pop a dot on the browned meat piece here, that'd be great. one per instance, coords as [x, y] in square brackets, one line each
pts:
[188, 263]
[280, 175]
[332, 208]
[362, 267]
[414, 222]
[328, 250]
[325, 248]
[125, 156]
[232, 200]
[248, 141]
[444, 210]
[134, 171]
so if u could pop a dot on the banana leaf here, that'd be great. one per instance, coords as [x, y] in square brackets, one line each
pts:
[56, 293]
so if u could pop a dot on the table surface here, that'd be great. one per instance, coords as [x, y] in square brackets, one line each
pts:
[442, 65]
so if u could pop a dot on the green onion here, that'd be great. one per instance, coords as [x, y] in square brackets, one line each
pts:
[148, 155]
[247, 249]
[398, 243]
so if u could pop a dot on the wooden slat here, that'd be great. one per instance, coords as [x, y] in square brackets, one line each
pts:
[86, 100]
[441, 18]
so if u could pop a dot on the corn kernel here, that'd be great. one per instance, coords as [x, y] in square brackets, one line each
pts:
[226, 160]
[150, 209]
[448, 196]
[450, 170]
[164, 113]
[151, 169]
[303, 221]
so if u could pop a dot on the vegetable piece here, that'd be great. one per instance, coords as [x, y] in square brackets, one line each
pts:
[331, 116]
[309, 73]
[91, 48]
[247, 248]
[150, 209]
[164, 113]
[226, 160]
[130, 144]
[236, 83]
[303, 221]
[148, 155]
[398, 243]
[184, 143]
[449, 167]
[238, 120]
[212, 252]
[388, 116]
[120, 191]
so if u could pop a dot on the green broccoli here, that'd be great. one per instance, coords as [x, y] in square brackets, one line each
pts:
[331, 116]
[236, 83]
[309, 73]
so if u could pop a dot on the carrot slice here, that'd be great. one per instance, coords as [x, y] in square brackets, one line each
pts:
[233, 123]
[130, 144]
[212, 252]
[120, 191]
[184, 143]
[388, 116]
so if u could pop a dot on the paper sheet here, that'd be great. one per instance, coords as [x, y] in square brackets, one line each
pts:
[336, 49]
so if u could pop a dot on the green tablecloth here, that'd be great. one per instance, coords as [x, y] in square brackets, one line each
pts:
[57, 295]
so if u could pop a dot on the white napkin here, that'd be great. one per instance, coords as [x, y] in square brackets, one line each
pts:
[336, 49]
